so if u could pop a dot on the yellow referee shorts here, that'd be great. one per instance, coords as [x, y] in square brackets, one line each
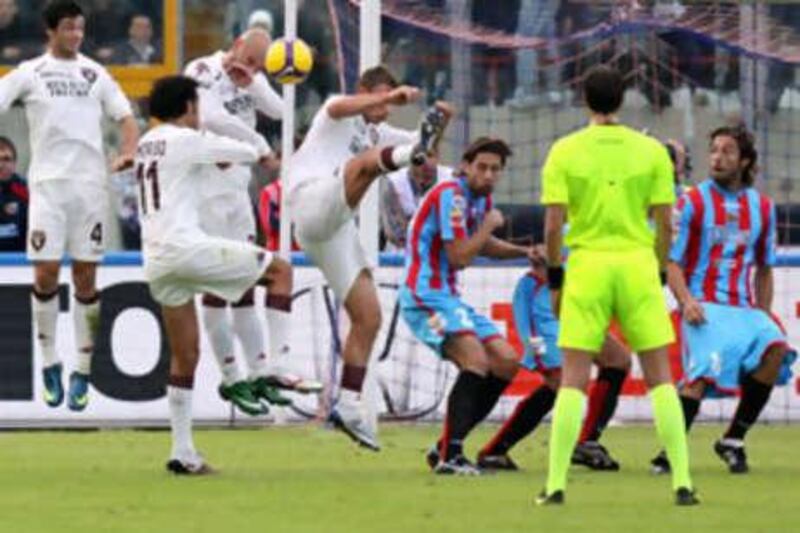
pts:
[600, 285]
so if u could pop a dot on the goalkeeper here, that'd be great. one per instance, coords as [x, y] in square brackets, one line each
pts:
[608, 179]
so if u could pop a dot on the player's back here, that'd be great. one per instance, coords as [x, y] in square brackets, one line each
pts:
[608, 176]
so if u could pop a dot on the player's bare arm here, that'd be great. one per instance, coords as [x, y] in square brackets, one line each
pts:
[129, 131]
[764, 287]
[554, 218]
[690, 308]
[501, 249]
[357, 104]
[461, 252]
[662, 217]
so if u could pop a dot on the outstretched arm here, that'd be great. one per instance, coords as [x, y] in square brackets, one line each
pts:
[356, 104]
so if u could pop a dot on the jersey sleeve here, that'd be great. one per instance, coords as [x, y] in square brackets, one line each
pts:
[13, 86]
[554, 178]
[766, 254]
[663, 190]
[266, 99]
[391, 136]
[214, 117]
[521, 307]
[452, 215]
[209, 148]
[681, 226]
[115, 104]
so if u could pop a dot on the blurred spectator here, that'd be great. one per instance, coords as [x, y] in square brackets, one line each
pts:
[18, 40]
[104, 23]
[261, 18]
[269, 216]
[13, 200]
[125, 186]
[537, 18]
[493, 71]
[140, 48]
[402, 193]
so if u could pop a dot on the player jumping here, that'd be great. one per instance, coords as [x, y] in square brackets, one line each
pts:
[731, 340]
[232, 90]
[608, 179]
[453, 225]
[348, 146]
[175, 163]
[66, 95]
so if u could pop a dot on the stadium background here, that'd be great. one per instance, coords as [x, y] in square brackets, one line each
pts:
[690, 66]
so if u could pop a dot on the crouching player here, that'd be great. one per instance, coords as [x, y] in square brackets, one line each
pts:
[176, 165]
[731, 342]
[453, 225]
[538, 327]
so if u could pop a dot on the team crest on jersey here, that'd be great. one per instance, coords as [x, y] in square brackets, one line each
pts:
[38, 238]
[437, 323]
[89, 75]
[457, 209]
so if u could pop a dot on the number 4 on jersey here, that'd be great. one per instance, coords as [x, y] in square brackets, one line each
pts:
[150, 174]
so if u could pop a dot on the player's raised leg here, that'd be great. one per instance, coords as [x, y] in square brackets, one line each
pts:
[44, 304]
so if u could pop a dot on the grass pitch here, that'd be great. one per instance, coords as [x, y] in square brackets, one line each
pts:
[309, 479]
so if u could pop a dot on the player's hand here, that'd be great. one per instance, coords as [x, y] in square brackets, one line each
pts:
[240, 75]
[537, 256]
[494, 219]
[447, 109]
[555, 302]
[405, 94]
[693, 312]
[122, 162]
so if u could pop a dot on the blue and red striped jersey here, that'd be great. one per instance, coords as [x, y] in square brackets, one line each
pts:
[720, 237]
[448, 212]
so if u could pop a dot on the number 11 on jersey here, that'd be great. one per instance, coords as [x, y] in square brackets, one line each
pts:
[149, 174]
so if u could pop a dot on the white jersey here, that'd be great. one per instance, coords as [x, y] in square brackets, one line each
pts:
[330, 143]
[407, 196]
[228, 110]
[65, 101]
[173, 166]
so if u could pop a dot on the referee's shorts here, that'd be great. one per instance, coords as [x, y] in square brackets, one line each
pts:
[600, 285]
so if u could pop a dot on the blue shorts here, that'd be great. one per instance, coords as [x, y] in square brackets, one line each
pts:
[730, 344]
[434, 318]
[541, 351]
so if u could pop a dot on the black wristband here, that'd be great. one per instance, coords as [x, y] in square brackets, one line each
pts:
[555, 277]
[662, 274]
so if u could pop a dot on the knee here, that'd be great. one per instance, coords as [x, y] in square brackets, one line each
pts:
[280, 270]
[552, 379]
[83, 278]
[476, 363]
[46, 278]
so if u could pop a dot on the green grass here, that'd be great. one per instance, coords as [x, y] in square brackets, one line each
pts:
[308, 479]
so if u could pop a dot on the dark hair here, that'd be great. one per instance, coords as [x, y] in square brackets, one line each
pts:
[8, 144]
[604, 89]
[747, 149]
[487, 144]
[171, 95]
[380, 75]
[58, 10]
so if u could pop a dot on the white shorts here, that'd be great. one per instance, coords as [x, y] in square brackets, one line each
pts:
[67, 217]
[326, 231]
[222, 267]
[229, 216]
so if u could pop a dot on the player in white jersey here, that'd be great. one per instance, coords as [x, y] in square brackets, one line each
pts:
[232, 90]
[176, 165]
[347, 147]
[65, 95]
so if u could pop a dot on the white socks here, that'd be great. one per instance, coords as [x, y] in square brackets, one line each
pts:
[45, 317]
[218, 328]
[279, 324]
[86, 319]
[180, 419]
[392, 158]
[249, 330]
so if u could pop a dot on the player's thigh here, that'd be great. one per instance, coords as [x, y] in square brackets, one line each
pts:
[614, 354]
[639, 300]
[87, 222]
[586, 302]
[319, 209]
[341, 258]
[47, 221]
[467, 351]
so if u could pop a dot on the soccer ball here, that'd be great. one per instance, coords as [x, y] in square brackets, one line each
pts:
[289, 61]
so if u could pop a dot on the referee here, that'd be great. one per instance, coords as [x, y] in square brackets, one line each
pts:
[607, 180]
